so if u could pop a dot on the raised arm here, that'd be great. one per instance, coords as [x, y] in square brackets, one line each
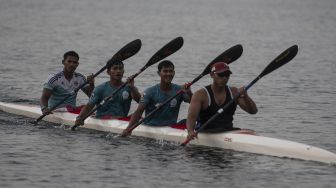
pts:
[188, 93]
[134, 91]
[245, 102]
[195, 107]
[88, 89]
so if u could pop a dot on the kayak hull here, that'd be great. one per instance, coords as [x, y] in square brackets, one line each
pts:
[238, 140]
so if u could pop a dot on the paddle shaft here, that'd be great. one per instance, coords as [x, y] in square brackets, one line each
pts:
[107, 99]
[71, 94]
[279, 61]
[221, 110]
[228, 56]
[164, 52]
[127, 51]
[180, 92]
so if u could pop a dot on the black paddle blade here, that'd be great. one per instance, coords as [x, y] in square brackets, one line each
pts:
[229, 56]
[282, 59]
[166, 50]
[127, 51]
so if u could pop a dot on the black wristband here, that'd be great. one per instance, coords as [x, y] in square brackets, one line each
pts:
[43, 108]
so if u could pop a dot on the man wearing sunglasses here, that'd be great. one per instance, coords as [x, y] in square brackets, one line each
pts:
[206, 101]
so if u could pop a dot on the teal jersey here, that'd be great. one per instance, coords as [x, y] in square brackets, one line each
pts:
[118, 106]
[168, 114]
[61, 88]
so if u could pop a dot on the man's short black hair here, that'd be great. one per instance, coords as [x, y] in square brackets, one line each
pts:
[165, 63]
[70, 53]
[111, 62]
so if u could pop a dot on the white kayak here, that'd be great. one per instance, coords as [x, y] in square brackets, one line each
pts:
[239, 140]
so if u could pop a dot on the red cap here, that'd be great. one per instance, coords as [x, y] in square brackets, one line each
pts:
[220, 67]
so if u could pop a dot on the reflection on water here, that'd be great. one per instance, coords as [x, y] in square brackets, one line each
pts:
[87, 157]
[212, 157]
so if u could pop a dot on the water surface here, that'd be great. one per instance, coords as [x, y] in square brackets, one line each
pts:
[296, 102]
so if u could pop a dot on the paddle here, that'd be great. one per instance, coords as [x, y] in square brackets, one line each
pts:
[164, 52]
[227, 56]
[127, 51]
[282, 59]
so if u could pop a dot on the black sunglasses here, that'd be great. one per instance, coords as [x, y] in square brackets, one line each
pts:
[224, 74]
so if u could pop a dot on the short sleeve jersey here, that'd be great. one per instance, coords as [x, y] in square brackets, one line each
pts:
[61, 88]
[118, 106]
[168, 114]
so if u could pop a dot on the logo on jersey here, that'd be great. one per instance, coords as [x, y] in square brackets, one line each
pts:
[125, 95]
[92, 95]
[142, 99]
[173, 103]
[76, 83]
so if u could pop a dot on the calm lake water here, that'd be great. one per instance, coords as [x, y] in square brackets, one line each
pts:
[296, 102]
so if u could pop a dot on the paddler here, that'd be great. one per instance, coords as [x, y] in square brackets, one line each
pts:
[206, 101]
[119, 105]
[60, 85]
[158, 94]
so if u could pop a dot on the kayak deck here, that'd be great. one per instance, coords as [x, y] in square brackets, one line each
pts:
[238, 140]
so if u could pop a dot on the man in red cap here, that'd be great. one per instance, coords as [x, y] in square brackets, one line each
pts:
[206, 101]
